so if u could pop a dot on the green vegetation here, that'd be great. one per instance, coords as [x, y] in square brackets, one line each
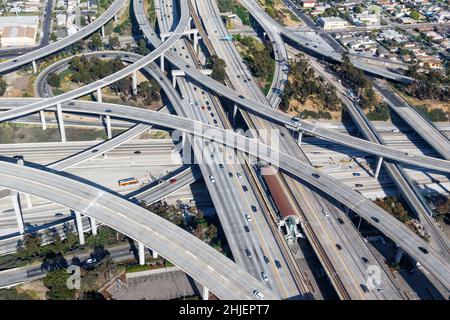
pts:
[56, 282]
[194, 222]
[415, 15]
[235, 7]
[54, 80]
[379, 113]
[308, 114]
[84, 71]
[259, 58]
[96, 42]
[218, 68]
[430, 84]
[31, 248]
[113, 42]
[151, 12]
[442, 206]
[303, 85]
[394, 206]
[3, 86]
[13, 294]
[435, 115]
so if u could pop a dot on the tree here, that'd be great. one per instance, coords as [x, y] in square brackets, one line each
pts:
[142, 47]
[114, 42]
[149, 91]
[415, 15]
[53, 37]
[3, 86]
[56, 282]
[218, 68]
[54, 80]
[96, 42]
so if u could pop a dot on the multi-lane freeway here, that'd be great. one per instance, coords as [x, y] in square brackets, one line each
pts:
[203, 263]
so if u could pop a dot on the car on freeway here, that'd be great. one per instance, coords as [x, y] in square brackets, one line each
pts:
[94, 151]
[358, 185]
[248, 253]
[59, 214]
[212, 179]
[325, 212]
[172, 181]
[253, 208]
[220, 165]
[248, 217]
[266, 260]
[258, 294]
[264, 276]
[137, 152]
[239, 175]
[295, 121]
[278, 264]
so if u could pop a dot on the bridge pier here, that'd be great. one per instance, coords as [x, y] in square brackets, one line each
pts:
[93, 226]
[174, 80]
[115, 16]
[20, 162]
[195, 38]
[34, 66]
[234, 114]
[141, 250]
[103, 31]
[299, 137]
[62, 129]
[99, 95]
[398, 255]
[154, 254]
[161, 60]
[134, 78]
[42, 116]
[17, 211]
[377, 171]
[205, 293]
[79, 224]
[108, 126]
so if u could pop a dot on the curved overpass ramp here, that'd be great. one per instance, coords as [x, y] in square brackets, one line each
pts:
[387, 224]
[61, 44]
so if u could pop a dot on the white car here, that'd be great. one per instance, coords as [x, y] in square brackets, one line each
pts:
[264, 276]
[395, 130]
[325, 212]
[248, 217]
[212, 179]
[239, 175]
[258, 294]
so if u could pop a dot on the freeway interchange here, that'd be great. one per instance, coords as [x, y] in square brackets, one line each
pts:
[225, 278]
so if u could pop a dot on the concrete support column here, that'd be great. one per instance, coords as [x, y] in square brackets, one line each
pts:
[99, 95]
[42, 116]
[108, 126]
[34, 66]
[134, 77]
[161, 59]
[103, 31]
[205, 293]
[79, 224]
[62, 129]
[17, 211]
[299, 138]
[377, 171]
[398, 255]
[93, 226]
[154, 254]
[141, 253]
[234, 114]
[195, 41]
[174, 80]
[115, 16]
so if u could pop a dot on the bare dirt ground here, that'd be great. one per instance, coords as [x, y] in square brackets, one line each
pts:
[312, 105]
[18, 84]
